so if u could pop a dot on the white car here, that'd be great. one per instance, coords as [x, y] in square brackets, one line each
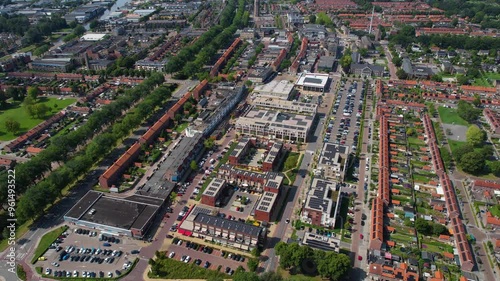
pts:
[75, 273]
[110, 274]
[84, 274]
[48, 271]
[55, 264]
[171, 255]
[188, 258]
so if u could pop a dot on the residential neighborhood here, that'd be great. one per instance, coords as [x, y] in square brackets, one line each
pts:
[250, 140]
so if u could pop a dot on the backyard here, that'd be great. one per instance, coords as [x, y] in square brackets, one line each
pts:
[17, 112]
[450, 116]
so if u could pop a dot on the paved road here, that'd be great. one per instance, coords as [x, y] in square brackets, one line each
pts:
[54, 217]
[359, 246]
[481, 235]
[392, 67]
[163, 224]
[283, 230]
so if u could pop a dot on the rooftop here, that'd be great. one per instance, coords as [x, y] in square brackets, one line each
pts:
[125, 213]
[226, 224]
[312, 80]
[266, 202]
[214, 187]
[330, 151]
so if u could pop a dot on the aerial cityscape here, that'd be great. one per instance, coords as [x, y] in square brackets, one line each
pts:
[250, 140]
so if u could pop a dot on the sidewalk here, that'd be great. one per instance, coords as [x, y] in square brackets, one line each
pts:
[203, 242]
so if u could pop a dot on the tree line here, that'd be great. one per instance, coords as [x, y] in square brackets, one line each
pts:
[37, 193]
[406, 36]
[191, 59]
[304, 259]
[32, 33]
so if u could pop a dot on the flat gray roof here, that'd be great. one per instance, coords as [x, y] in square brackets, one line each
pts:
[131, 212]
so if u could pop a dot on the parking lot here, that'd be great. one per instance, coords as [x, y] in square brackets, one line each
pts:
[215, 258]
[347, 110]
[88, 253]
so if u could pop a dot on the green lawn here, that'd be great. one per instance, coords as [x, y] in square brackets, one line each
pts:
[416, 141]
[492, 75]
[481, 82]
[454, 144]
[495, 210]
[180, 128]
[46, 241]
[17, 112]
[420, 178]
[450, 116]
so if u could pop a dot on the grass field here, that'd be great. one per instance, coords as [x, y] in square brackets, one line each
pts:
[450, 116]
[495, 210]
[416, 141]
[17, 112]
[481, 82]
[46, 241]
[454, 144]
[492, 76]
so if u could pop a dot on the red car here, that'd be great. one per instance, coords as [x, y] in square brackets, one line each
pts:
[360, 258]
[360, 236]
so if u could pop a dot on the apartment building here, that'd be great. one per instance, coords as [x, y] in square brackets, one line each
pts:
[321, 205]
[285, 105]
[333, 161]
[213, 191]
[228, 232]
[273, 124]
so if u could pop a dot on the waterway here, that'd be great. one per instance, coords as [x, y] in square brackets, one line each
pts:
[116, 7]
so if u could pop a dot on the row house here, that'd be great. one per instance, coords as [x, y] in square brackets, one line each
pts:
[228, 232]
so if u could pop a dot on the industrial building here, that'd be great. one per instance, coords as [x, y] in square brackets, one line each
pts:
[129, 216]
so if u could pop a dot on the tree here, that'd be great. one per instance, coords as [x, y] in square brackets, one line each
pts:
[33, 92]
[312, 18]
[397, 61]
[363, 52]
[41, 110]
[270, 276]
[462, 79]
[3, 98]
[15, 93]
[12, 125]
[334, 266]
[477, 100]
[79, 30]
[495, 168]
[245, 276]
[472, 162]
[467, 111]
[422, 226]
[438, 229]
[178, 118]
[462, 150]
[253, 264]
[209, 143]
[346, 61]
[256, 252]
[487, 151]
[475, 136]
[401, 74]
[193, 165]
[410, 132]
[347, 225]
